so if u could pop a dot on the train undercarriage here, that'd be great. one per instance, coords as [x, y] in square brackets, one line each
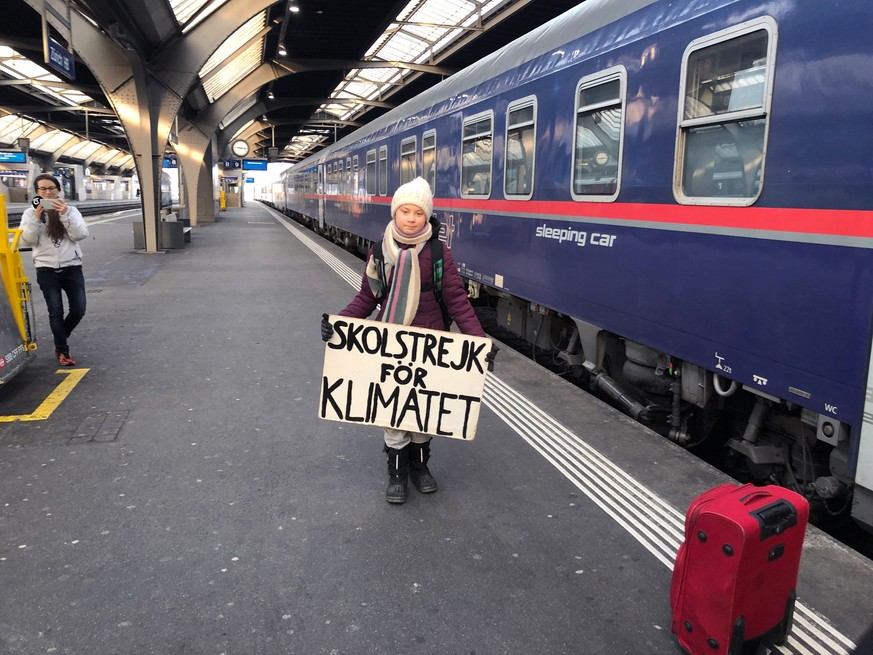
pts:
[753, 436]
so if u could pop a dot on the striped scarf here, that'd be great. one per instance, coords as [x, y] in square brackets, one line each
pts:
[401, 271]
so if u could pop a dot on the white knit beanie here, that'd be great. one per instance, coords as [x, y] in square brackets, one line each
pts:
[415, 193]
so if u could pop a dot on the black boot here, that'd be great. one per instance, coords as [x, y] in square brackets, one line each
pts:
[419, 453]
[398, 470]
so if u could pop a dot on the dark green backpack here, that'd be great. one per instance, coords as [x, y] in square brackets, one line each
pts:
[436, 256]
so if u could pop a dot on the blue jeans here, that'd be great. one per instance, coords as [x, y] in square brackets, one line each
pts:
[71, 281]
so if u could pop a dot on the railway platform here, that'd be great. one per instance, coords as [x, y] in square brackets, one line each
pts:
[174, 492]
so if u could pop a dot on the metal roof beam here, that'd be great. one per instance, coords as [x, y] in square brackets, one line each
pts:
[297, 65]
[45, 109]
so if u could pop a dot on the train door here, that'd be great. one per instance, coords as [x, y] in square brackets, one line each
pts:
[320, 194]
[231, 186]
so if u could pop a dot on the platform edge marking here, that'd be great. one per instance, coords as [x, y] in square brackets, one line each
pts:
[54, 399]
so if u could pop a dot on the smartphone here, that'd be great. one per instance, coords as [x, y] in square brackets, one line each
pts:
[47, 203]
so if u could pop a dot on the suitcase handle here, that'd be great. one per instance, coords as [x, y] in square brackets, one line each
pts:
[775, 518]
[745, 500]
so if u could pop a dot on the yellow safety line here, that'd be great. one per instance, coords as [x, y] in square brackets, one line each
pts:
[55, 398]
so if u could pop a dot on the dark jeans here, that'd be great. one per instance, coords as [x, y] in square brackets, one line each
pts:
[71, 281]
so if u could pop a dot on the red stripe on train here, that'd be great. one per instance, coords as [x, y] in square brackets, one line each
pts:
[837, 222]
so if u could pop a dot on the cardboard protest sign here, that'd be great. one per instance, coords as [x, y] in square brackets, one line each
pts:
[403, 377]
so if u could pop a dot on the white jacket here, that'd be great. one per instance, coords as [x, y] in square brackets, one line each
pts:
[50, 254]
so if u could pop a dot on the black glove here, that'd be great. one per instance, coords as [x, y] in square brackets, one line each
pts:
[326, 328]
[489, 358]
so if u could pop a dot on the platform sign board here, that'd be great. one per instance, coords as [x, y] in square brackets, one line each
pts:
[403, 377]
[61, 59]
[254, 164]
[7, 157]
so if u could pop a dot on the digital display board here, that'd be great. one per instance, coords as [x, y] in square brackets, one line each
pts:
[254, 164]
[13, 158]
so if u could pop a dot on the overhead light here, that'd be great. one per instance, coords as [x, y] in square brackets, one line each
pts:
[293, 8]
[282, 51]
[270, 95]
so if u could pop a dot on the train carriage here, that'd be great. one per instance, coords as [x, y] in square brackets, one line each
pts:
[675, 199]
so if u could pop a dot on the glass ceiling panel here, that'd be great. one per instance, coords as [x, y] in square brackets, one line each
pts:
[18, 67]
[124, 162]
[107, 156]
[237, 111]
[11, 127]
[421, 32]
[51, 140]
[301, 145]
[45, 139]
[82, 150]
[16, 131]
[234, 42]
[185, 10]
[225, 78]
[33, 132]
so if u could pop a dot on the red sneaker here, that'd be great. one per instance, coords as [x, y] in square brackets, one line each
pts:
[64, 359]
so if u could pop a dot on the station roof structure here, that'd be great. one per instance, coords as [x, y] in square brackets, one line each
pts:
[334, 66]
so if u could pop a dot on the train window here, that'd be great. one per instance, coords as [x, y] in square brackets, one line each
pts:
[348, 180]
[428, 158]
[518, 165]
[726, 87]
[371, 172]
[407, 160]
[355, 178]
[599, 135]
[476, 148]
[383, 171]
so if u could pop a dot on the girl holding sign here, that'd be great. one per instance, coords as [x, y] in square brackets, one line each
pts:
[405, 290]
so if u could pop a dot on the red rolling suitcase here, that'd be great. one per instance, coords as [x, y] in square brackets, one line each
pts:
[734, 579]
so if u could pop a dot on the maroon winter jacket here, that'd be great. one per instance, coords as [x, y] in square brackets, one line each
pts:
[428, 314]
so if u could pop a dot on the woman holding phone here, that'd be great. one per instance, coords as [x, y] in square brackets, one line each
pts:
[53, 229]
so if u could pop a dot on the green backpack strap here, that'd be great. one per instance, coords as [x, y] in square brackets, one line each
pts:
[379, 261]
[436, 255]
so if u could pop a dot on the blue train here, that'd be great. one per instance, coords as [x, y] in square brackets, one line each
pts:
[676, 200]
